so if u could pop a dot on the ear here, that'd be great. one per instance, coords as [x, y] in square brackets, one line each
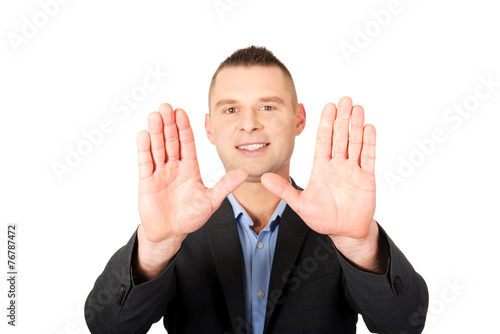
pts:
[208, 128]
[300, 119]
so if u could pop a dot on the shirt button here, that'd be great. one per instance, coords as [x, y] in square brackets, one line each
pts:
[260, 293]
[260, 245]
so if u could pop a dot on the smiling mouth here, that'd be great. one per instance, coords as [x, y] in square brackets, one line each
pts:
[251, 147]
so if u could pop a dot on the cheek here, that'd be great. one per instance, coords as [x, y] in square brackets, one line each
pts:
[282, 123]
[222, 136]
[284, 143]
[277, 124]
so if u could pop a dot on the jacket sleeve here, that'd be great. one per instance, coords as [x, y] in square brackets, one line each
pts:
[117, 305]
[395, 302]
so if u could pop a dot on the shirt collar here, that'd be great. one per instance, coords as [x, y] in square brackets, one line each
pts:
[239, 211]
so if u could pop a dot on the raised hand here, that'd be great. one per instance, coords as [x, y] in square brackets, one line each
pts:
[340, 198]
[172, 198]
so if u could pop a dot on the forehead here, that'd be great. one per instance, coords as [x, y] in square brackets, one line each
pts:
[249, 82]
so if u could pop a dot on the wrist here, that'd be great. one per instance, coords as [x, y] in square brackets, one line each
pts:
[369, 254]
[153, 257]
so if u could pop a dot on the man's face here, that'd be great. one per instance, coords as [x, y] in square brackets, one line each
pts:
[252, 121]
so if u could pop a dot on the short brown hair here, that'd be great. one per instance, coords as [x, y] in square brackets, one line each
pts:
[254, 56]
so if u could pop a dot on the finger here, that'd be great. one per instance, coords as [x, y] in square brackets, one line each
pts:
[187, 149]
[145, 159]
[341, 128]
[170, 132]
[368, 151]
[323, 149]
[155, 126]
[282, 188]
[356, 134]
[227, 184]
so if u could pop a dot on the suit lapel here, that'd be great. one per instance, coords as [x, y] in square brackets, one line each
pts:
[291, 235]
[226, 250]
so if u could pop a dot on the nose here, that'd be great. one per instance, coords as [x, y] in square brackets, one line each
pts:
[250, 122]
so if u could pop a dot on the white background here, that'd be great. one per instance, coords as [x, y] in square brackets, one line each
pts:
[65, 77]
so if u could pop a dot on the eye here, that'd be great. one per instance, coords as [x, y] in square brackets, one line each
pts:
[267, 108]
[230, 110]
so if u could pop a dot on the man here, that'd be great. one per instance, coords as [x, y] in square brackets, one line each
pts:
[256, 254]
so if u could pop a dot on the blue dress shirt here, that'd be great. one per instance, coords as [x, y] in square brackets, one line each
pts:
[258, 253]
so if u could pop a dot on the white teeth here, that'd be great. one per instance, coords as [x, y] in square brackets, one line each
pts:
[252, 147]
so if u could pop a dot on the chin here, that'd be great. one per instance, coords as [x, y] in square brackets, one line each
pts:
[253, 178]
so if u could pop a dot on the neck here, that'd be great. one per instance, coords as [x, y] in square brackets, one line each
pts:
[259, 202]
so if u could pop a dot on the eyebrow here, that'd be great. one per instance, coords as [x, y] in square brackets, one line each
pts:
[274, 99]
[225, 102]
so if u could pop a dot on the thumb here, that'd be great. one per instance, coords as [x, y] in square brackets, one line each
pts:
[230, 181]
[282, 188]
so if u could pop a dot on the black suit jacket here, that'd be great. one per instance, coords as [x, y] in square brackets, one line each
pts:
[312, 288]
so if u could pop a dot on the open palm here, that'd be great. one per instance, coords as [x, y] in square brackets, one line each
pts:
[340, 197]
[172, 198]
